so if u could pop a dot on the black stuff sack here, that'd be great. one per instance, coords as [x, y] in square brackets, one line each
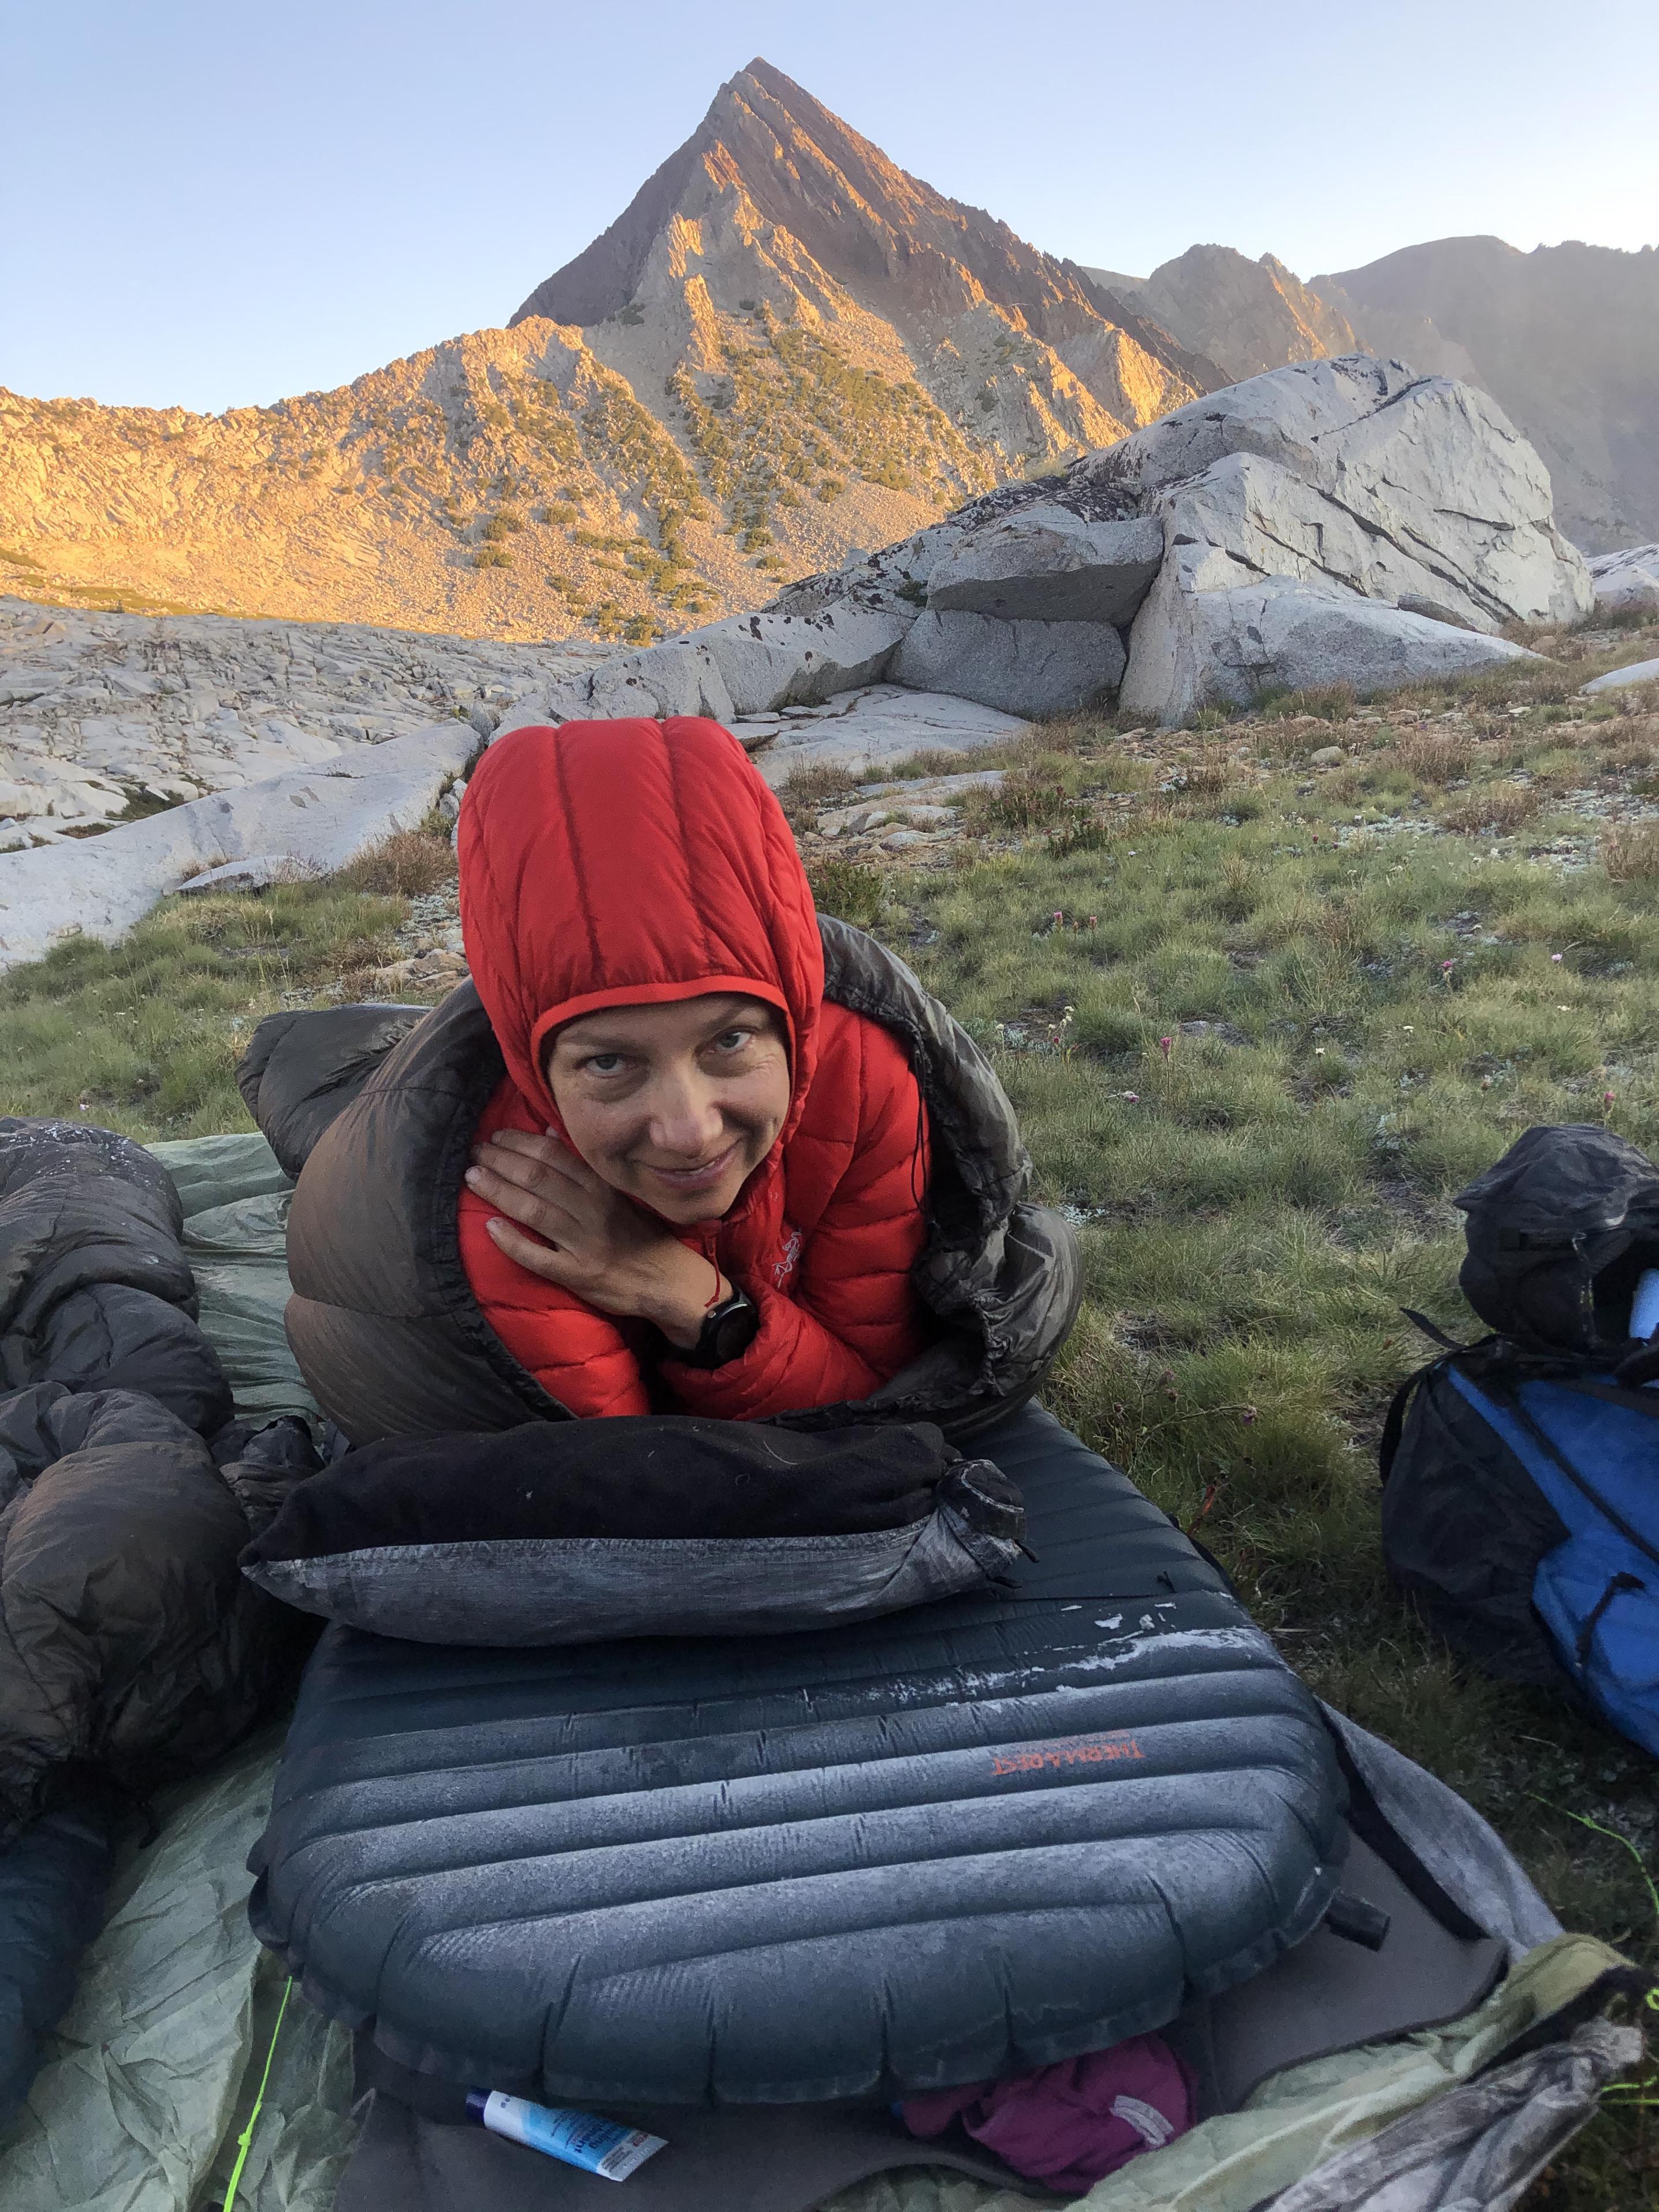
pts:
[575, 1532]
[1558, 1231]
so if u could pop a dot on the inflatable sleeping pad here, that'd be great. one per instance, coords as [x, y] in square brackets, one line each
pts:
[933, 1847]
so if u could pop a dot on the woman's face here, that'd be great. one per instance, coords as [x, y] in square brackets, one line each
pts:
[674, 1105]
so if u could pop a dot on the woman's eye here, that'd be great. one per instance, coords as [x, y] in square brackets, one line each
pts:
[603, 1063]
[735, 1040]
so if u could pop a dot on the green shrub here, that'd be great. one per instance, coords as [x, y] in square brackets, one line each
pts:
[848, 889]
[406, 865]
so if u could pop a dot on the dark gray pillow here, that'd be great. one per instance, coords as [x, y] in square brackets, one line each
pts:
[575, 1532]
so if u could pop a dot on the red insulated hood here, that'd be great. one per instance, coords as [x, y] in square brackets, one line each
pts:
[610, 864]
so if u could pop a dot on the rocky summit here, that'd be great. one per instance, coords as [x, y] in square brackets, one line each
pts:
[778, 251]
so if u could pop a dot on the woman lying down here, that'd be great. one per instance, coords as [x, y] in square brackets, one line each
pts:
[677, 1147]
[699, 1181]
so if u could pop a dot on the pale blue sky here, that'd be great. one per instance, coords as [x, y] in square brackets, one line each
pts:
[214, 204]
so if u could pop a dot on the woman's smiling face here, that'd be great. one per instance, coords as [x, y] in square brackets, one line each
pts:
[675, 1105]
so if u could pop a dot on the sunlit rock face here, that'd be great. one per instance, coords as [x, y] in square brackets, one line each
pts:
[1247, 316]
[785, 349]
[504, 485]
[1350, 480]
[1331, 522]
[993, 354]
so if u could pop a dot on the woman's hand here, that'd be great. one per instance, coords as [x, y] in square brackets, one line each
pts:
[590, 1239]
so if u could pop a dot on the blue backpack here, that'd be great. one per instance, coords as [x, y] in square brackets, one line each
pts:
[1520, 1474]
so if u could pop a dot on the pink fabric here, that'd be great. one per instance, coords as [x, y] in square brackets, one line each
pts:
[1068, 2125]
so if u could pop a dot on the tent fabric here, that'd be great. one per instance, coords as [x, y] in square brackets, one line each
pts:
[154, 2071]
[213, 1172]
[1470, 1861]
[778, 2157]
[1483, 2145]
[235, 1198]
[238, 1254]
[93, 2089]
[1438, 2121]
[309, 2119]
[1332, 1991]
[1327, 1994]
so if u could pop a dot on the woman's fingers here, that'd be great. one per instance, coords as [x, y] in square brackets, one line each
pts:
[543, 1259]
[533, 1202]
[532, 1147]
[583, 1235]
[550, 1166]
[515, 1151]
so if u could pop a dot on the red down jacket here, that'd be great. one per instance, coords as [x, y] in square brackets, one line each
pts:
[609, 864]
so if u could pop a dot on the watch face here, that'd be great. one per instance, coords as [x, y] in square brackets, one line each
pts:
[734, 1332]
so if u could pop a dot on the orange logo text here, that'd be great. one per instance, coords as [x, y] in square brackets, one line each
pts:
[1075, 1751]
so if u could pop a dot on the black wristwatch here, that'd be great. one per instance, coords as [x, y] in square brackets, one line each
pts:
[727, 1330]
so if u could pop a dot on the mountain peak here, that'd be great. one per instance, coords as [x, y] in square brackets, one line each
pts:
[776, 156]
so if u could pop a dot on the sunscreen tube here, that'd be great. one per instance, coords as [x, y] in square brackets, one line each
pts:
[582, 2139]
